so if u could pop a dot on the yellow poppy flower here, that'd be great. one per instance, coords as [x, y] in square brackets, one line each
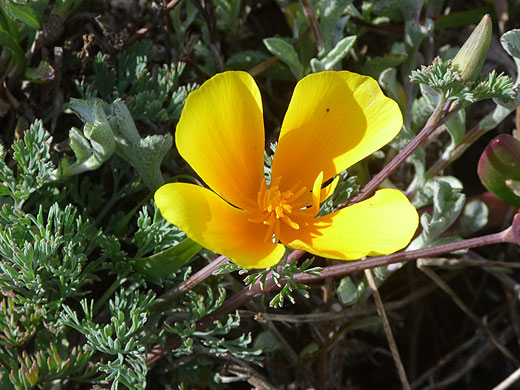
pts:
[334, 120]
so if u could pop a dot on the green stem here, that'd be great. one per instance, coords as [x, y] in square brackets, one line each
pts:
[108, 293]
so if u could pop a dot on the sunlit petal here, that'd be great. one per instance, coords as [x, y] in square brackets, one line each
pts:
[216, 225]
[221, 135]
[334, 120]
[382, 224]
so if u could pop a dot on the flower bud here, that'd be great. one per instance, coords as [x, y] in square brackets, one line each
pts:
[471, 56]
[499, 168]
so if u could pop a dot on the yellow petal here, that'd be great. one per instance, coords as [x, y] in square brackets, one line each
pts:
[382, 224]
[308, 198]
[221, 135]
[334, 120]
[216, 225]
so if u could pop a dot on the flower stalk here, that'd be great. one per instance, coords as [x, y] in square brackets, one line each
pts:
[469, 139]
[509, 235]
[189, 283]
[443, 112]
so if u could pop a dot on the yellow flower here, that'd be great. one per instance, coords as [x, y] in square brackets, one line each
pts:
[334, 120]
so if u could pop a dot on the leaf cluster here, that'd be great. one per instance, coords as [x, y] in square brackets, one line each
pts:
[443, 77]
[282, 276]
[33, 162]
[121, 339]
[52, 255]
[196, 305]
[149, 94]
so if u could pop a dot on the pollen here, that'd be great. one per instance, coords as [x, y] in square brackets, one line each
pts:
[275, 207]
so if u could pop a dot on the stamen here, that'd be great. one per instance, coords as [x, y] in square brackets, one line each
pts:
[290, 222]
[297, 195]
[267, 197]
[260, 219]
[269, 234]
[261, 193]
[276, 207]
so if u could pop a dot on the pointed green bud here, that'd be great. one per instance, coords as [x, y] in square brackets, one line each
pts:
[471, 56]
[499, 168]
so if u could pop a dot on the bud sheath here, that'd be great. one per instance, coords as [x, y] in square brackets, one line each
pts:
[471, 56]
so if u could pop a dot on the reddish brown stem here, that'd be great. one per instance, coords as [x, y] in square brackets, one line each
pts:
[442, 113]
[314, 24]
[510, 235]
[339, 270]
[191, 282]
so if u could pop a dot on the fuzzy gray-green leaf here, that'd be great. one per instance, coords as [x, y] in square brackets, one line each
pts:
[286, 53]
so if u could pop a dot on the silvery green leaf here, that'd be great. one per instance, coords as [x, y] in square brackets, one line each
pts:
[474, 217]
[403, 138]
[86, 109]
[415, 33]
[387, 80]
[430, 94]
[407, 7]
[316, 65]
[348, 292]
[413, 37]
[421, 111]
[144, 154]
[447, 205]
[101, 138]
[374, 66]
[495, 117]
[331, 13]
[147, 156]
[511, 42]
[510, 105]
[79, 145]
[95, 146]
[123, 124]
[339, 52]
[456, 127]
[427, 190]
[286, 53]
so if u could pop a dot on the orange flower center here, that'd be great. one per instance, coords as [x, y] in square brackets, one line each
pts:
[276, 207]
